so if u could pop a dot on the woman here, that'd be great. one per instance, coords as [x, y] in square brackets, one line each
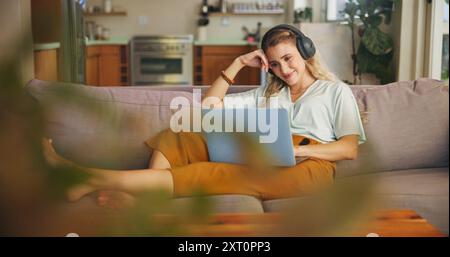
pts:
[325, 124]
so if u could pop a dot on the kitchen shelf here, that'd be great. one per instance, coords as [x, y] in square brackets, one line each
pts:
[105, 14]
[245, 13]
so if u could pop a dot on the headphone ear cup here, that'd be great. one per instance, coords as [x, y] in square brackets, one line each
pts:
[306, 47]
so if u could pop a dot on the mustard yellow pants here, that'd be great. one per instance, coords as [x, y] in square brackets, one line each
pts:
[191, 170]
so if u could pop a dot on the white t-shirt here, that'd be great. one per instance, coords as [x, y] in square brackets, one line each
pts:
[325, 112]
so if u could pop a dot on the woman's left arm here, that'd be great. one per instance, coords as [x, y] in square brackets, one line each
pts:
[345, 148]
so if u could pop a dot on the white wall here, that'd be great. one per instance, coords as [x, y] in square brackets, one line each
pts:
[175, 17]
[234, 29]
[163, 17]
[333, 41]
[15, 17]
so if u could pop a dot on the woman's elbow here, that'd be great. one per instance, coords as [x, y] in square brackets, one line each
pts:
[352, 153]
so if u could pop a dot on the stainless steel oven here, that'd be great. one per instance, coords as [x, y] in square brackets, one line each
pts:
[161, 60]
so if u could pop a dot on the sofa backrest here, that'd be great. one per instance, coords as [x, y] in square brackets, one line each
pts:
[407, 123]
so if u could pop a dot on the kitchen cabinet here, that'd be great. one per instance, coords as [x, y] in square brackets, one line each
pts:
[107, 65]
[210, 60]
[46, 64]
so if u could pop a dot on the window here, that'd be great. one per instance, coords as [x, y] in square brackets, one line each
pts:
[323, 10]
[335, 10]
[438, 40]
[444, 68]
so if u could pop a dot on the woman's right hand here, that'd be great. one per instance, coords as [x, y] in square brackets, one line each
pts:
[255, 59]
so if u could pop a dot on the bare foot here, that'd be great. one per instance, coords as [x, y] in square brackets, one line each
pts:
[53, 158]
[115, 199]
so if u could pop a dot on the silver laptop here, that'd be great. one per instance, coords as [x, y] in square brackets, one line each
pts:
[234, 132]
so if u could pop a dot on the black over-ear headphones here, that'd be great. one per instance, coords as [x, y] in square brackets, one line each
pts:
[304, 44]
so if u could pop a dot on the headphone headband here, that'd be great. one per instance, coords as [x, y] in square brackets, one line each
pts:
[304, 44]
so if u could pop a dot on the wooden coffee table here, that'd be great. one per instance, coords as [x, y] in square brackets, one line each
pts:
[399, 223]
[386, 223]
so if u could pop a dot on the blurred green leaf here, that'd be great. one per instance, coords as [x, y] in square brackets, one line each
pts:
[377, 42]
[63, 178]
[375, 20]
[376, 64]
[364, 58]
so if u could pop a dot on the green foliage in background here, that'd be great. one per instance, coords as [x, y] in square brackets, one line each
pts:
[445, 54]
[301, 14]
[374, 53]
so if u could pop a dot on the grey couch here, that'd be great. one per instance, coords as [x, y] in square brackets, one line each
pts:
[407, 127]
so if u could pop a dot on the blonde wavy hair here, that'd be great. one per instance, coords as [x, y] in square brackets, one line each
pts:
[313, 65]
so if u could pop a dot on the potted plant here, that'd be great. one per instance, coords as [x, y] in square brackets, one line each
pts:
[375, 50]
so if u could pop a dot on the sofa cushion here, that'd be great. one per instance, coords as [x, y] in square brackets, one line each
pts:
[407, 127]
[227, 203]
[431, 182]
